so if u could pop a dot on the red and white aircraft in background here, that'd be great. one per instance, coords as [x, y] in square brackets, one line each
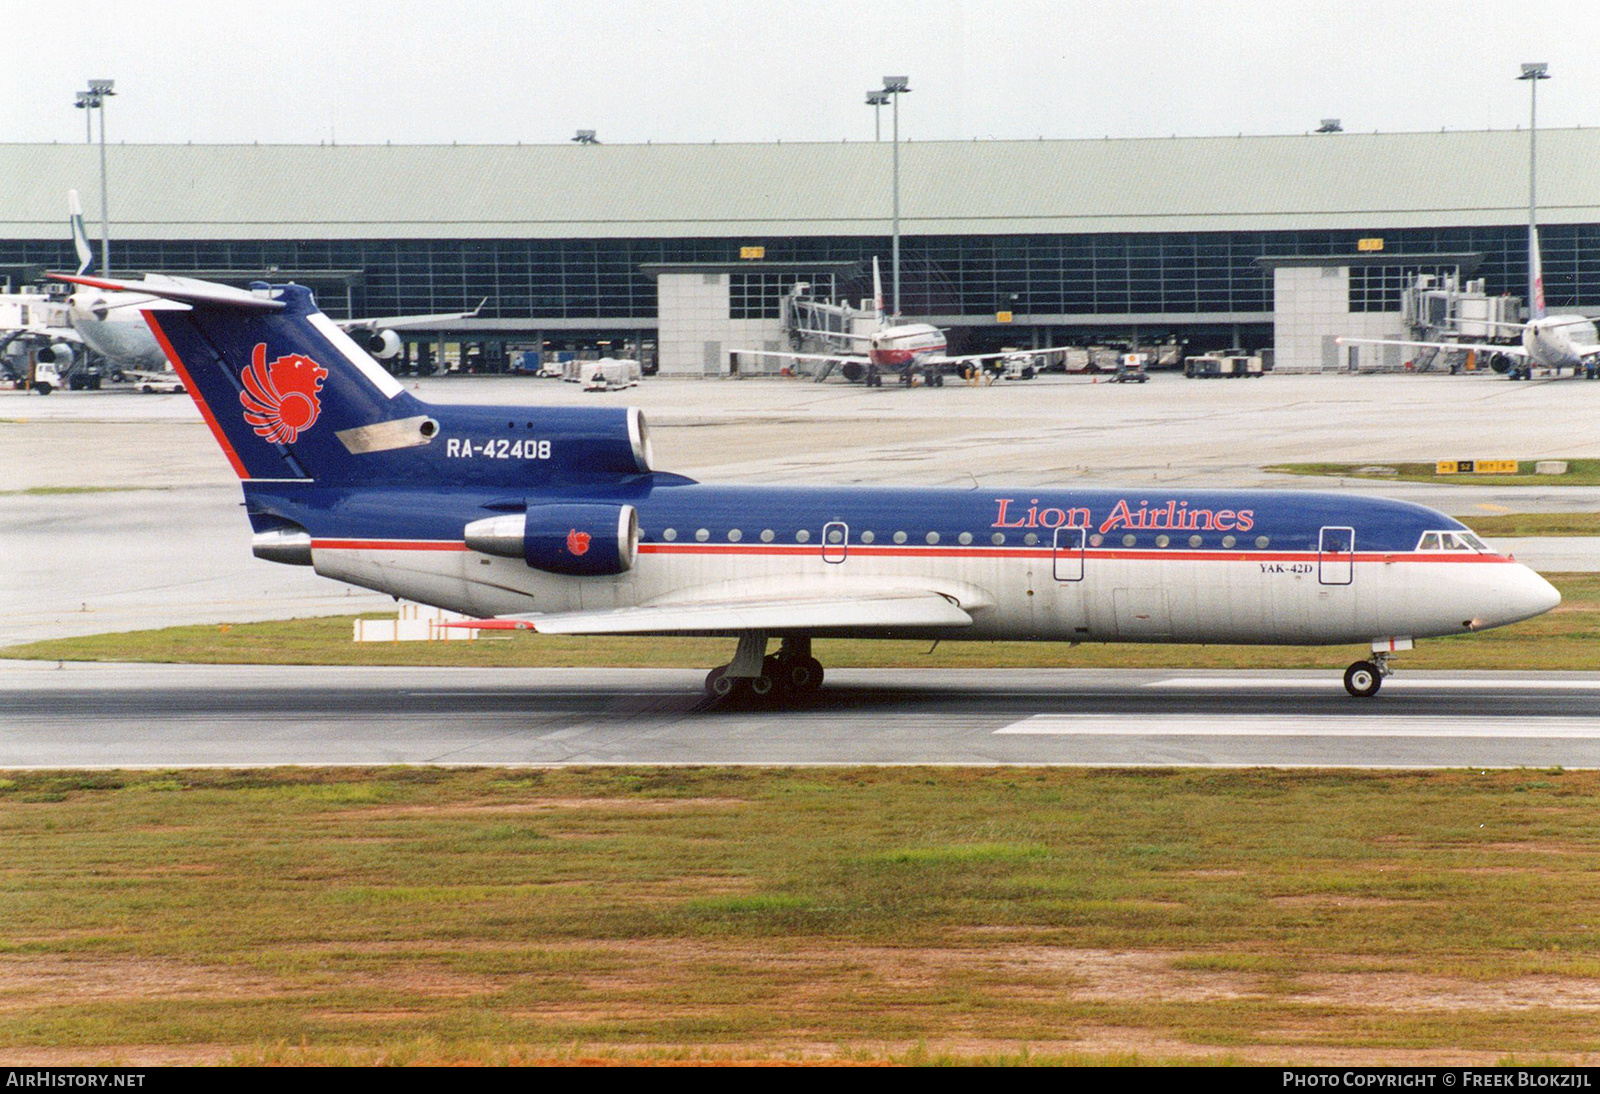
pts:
[905, 349]
[1548, 341]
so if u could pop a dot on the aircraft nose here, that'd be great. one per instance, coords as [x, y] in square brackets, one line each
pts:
[1530, 595]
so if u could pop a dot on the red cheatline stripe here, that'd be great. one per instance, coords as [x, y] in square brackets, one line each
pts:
[194, 390]
[908, 551]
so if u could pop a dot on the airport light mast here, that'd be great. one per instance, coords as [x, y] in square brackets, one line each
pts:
[876, 99]
[893, 88]
[1533, 73]
[95, 99]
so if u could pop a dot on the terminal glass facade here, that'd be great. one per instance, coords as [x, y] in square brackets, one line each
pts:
[1179, 274]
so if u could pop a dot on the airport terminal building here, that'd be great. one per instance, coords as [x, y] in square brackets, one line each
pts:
[686, 249]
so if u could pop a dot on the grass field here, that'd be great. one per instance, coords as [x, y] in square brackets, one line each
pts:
[1535, 524]
[667, 915]
[1579, 473]
[1564, 638]
[875, 915]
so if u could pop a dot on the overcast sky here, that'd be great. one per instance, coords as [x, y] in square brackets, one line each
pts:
[426, 71]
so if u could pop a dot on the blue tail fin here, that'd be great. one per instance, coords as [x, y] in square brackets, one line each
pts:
[298, 398]
[286, 392]
[290, 396]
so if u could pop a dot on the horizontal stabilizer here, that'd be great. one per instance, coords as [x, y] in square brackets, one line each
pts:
[893, 609]
[183, 290]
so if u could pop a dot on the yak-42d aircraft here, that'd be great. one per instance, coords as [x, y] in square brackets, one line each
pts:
[553, 519]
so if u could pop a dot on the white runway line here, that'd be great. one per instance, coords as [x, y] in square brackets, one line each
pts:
[1276, 725]
[1498, 683]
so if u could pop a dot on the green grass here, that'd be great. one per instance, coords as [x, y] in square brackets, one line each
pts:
[1535, 524]
[1579, 473]
[909, 915]
[1564, 638]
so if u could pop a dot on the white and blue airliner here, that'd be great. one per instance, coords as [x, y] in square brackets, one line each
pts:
[555, 520]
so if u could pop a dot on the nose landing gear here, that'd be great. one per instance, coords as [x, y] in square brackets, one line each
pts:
[1364, 678]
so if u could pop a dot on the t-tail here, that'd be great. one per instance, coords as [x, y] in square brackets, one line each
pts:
[290, 396]
[80, 238]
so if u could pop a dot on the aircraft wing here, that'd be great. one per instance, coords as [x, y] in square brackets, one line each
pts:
[1003, 355]
[887, 609]
[1481, 347]
[34, 332]
[787, 356]
[407, 322]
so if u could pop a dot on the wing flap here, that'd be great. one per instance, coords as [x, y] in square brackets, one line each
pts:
[890, 609]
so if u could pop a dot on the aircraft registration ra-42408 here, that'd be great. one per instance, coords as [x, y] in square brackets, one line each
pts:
[553, 519]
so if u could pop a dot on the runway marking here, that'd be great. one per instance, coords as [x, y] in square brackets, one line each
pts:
[1276, 725]
[1499, 683]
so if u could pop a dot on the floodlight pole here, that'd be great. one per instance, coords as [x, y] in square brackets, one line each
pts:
[876, 100]
[1533, 73]
[95, 99]
[894, 87]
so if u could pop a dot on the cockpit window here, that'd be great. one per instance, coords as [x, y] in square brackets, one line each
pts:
[1452, 541]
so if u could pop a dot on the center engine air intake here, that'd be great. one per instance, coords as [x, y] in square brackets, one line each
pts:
[590, 440]
[581, 540]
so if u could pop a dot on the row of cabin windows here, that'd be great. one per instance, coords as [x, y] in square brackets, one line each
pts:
[1031, 539]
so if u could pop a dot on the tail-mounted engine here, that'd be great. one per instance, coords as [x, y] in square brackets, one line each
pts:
[581, 540]
[382, 344]
[59, 354]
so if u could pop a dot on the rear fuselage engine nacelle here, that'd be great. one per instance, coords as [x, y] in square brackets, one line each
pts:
[59, 354]
[579, 540]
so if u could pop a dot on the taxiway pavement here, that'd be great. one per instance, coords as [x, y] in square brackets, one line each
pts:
[80, 715]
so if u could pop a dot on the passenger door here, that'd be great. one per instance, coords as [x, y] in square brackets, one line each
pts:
[1067, 560]
[1336, 550]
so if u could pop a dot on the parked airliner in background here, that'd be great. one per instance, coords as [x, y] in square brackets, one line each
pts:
[895, 347]
[113, 325]
[553, 519]
[1548, 341]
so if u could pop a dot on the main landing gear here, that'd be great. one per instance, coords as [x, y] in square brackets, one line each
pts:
[1364, 678]
[756, 675]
